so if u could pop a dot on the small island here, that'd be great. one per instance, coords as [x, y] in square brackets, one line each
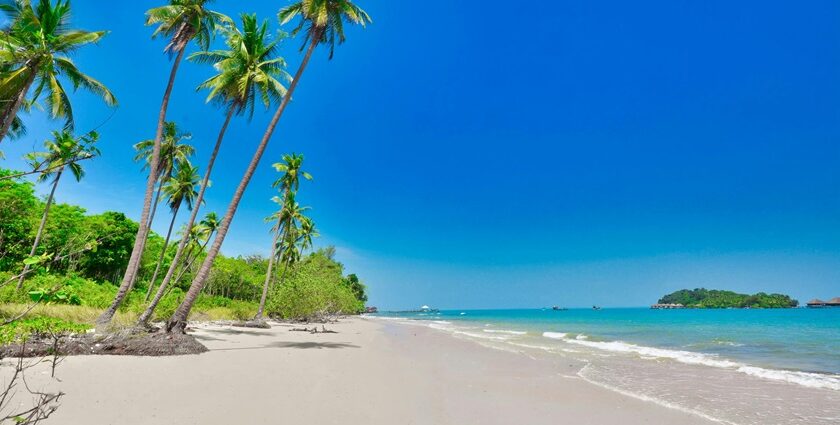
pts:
[713, 298]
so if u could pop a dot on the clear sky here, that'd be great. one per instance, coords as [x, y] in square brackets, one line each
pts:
[488, 154]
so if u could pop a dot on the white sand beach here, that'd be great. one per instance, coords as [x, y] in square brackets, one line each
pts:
[369, 372]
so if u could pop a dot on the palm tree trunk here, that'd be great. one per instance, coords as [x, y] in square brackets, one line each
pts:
[164, 286]
[143, 228]
[267, 276]
[10, 114]
[163, 251]
[40, 228]
[199, 198]
[151, 220]
[178, 322]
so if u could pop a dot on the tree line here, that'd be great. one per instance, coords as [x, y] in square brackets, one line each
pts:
[36, 66]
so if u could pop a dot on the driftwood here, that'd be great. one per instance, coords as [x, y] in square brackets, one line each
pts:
[314, 330]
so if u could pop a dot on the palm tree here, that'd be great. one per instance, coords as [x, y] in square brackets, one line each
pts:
[178, 189]
[181, 21]
[288, 183]
[247, 72]
[63, 152]
[200, 232]
[172, 154]
[34, 53]
[297, 240]
[323, 21]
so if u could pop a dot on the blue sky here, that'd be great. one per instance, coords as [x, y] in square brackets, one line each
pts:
[577, 153]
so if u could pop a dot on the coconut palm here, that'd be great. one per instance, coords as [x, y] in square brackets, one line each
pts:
[179, 189]
[172, 153]
[288, 183]
[34, 52]
[247, 72]
[290, 167]
[323, 22]
[181, 22]
[62, 153]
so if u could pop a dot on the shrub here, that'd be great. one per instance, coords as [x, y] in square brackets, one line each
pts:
[312, 290]
[40, 326]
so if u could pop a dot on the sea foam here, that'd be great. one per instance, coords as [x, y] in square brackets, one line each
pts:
[805, 379]
[504, 331]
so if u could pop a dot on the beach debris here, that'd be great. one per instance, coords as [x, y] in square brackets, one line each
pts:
[314, 330]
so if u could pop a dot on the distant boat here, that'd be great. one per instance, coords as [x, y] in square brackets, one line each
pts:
[595, 307]
[556, 308]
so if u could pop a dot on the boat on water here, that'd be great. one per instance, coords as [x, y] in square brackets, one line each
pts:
[595, 307]
[557, 308]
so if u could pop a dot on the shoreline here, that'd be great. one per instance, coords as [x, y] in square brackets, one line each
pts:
[368, 372]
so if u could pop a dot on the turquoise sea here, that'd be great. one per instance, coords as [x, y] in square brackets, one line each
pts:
[734, 366]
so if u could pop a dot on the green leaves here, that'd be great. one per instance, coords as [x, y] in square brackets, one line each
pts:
[248, 71]
[24, 328]
[323, 20]
[34, 53]
[47, 296]
[185, 20]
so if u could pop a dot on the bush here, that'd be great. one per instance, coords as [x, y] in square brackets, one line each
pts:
[40, 326]
[55, 289]
[313, 289]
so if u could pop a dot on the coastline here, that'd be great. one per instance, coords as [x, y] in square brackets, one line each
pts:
[370, 371]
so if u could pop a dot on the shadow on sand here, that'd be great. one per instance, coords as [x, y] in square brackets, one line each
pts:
[296, 345]
[308, 345]
[230, 331]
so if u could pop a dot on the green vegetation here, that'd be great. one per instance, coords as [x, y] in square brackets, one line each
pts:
[315, 288]
[712, 298]
[69, 264]
[79, 282]
[38, 326]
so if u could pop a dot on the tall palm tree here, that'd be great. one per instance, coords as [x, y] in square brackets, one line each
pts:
[201, 232]
[172, 154]
[247, 72]
[181, 21]
[323, 21]
[34, 52]
[288, 184]
[179, 189]
[63, 152]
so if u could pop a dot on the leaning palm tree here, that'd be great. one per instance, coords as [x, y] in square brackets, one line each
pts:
[172, 153]
[247, 72]
[180, 189]
[323, 22]
[34, 53]
[181, 22]
[63, 152]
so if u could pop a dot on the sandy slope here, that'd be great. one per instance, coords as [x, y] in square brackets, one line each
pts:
[369, 372]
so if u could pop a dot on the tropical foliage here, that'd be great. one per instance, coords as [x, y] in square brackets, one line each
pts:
[35, 59]
[90, 252]
[712, 298]
[314, 288]
[63, 257]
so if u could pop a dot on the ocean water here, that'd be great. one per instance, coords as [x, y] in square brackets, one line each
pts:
[732, 366]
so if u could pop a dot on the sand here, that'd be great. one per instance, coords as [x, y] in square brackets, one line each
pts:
[369, 372]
